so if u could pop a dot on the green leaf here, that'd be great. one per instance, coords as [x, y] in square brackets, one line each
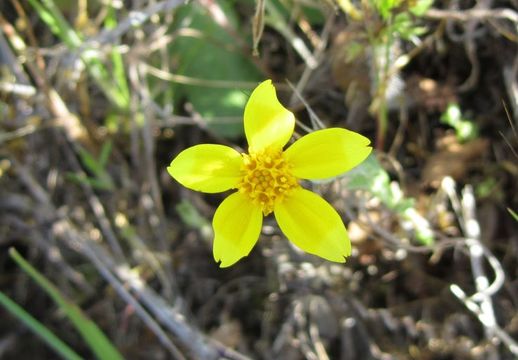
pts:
[464, 129]
[402, 25]
[53, 17]
[38, 328]
[513, 214]
[215, 55]
[385, 7]
[190, 215]
[91, 334]
[101, 178]
[106, 150]
[421, 7]
[90, 162]
[57, 23]
[119, 72]
[314, 15]
[370, 176]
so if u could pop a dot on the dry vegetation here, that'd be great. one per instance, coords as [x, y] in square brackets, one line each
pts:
[91, 116]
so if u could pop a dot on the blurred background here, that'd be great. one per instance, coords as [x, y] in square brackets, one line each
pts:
[103, 255]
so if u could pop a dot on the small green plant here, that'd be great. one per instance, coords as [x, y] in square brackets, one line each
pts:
[465, 129]
[111, 82]
[371, 177]
[489, 187]
[400, 16]
[385, 23]
[191, 217]
[101, 178]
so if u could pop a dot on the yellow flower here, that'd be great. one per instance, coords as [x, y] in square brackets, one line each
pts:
[267, 180]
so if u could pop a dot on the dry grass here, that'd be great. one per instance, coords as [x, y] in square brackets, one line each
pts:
[133, 249]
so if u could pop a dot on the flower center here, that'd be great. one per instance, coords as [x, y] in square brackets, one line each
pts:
[266, 178]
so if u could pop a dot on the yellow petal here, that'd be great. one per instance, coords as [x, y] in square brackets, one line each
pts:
[267, 122]
[327, 153]
[313, 225]
[237, 225]
[207, 167]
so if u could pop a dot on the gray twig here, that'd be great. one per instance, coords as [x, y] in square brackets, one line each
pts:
[479, 303]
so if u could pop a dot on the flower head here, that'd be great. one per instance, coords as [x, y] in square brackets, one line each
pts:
[267, 181]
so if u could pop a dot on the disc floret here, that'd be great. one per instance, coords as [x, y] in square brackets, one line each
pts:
[266, 178]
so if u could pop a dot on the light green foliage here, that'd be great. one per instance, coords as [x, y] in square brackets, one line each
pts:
[371, 177]
[489, 187]
[101, 178]
[465, 129]
[385, 23]
[288, 9]
[312, 12]
[190, 216]
[114, 122]
[420, 7]
[513, 214]
[400, 17]
[52, 16]
[386, 8]
[119, 73]
[99, 344]
[404, 25]
[213, 54]
[110, 82]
